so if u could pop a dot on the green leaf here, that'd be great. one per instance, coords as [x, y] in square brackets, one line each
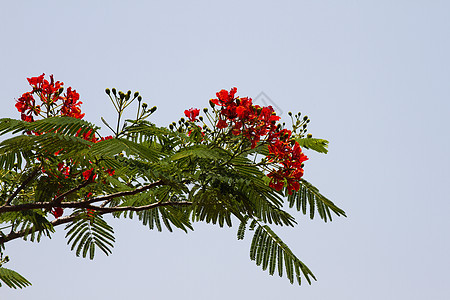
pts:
[88, 233]
[268, 250]
[309, 195]
[319, 145]
[200, 151]
[13, 279]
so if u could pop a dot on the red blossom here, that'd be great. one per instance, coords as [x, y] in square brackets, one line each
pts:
[35, 81]
[57, 212]
[26, 105]
[192, 114]
[71, 104]
[89, 174]
[222, 124]
[259, 123]
[48, 92]
[224, 97]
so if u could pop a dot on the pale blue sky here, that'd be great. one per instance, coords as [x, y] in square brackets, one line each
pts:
[372, 75]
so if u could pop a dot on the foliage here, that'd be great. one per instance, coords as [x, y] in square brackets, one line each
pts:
[235, 162]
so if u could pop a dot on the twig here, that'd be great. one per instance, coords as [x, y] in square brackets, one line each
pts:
[20, 187]
[101, 211]
[59, 199]
[82, 204]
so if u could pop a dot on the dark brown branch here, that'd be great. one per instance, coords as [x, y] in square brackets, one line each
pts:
[21, 187]
[106, 210]
[59, 199]
[82, 204]
[100, 211]
[126, 193]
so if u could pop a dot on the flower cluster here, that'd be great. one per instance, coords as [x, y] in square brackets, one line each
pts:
[243, 117]
[290, 156]
[258, 124]
[53, 101]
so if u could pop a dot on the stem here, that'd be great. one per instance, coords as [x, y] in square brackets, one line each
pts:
[76, 204]
[101, 211]
[20, 187]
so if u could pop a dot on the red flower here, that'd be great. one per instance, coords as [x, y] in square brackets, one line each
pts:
[48, 92]
[26, 105]
[34, 81]
[225, 97]
[192, 114]
[276, 180]
[70, 104]
[89, 173]
[106, 138]
[57, 212]
[222, 124]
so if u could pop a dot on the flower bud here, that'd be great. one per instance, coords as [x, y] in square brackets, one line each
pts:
[114, 91]
[153, 109]
[171, 126]
[211, 103]
[309, 135]
[139, 98]
[305, 118]
[144, 105]
[290, 114]
[200, 118]
[107, 91]
[182, 120]
[205, 110]
[136, 94]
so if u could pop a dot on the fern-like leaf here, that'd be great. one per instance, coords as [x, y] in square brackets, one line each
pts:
[309, 195]
[268, 250]
[319, 145]
[88, 233]
[62, 125]
[13, 279]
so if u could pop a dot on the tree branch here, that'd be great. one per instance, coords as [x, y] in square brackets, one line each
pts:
[100, 210]
[82, 204]
[59, 199]
[126, 193]
[20, 187]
